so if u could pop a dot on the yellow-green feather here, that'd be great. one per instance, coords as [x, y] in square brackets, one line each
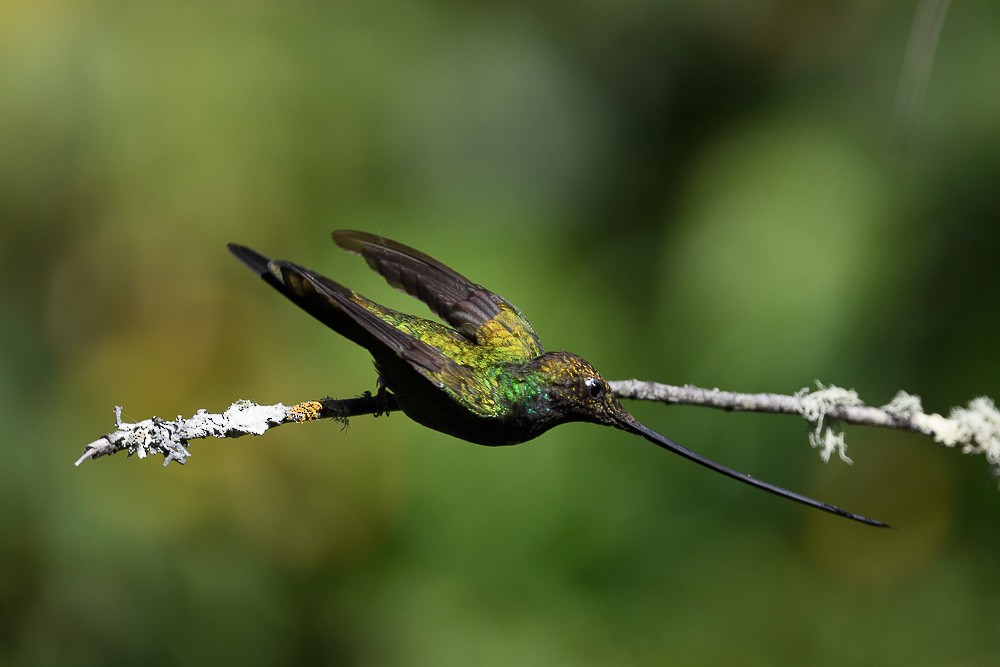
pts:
[480, 382]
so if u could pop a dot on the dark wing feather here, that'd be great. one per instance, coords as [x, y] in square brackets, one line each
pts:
[477, 313]
[341, 309]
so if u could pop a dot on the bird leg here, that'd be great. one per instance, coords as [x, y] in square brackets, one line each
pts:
[381, 398]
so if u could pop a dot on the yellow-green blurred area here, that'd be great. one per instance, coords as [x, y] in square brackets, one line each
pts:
[718, 193]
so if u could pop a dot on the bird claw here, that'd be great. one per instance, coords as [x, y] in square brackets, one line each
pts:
[381, 399]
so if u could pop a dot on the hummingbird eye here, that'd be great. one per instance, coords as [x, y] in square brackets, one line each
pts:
[595, 388]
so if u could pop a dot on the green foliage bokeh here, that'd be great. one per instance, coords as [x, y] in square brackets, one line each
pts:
[711, 193]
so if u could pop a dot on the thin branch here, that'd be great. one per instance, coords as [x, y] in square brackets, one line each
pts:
[170, 438]
[974, 429]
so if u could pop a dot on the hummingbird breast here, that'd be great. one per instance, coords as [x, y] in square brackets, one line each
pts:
[504, 419]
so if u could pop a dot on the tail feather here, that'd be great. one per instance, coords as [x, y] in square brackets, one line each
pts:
[326, 300]
[251, 259]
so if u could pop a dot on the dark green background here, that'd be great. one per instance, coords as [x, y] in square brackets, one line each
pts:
[707, 193]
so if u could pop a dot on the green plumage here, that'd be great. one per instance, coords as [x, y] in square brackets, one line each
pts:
[483, 376]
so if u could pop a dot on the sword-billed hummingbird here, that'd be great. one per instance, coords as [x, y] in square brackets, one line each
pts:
[485, 377]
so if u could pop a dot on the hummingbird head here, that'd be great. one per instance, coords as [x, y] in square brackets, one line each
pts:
[575, 391]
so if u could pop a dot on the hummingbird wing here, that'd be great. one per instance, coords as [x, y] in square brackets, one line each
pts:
[480, 315]
[374, 327]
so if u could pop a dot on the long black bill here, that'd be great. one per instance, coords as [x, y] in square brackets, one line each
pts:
[633, 425]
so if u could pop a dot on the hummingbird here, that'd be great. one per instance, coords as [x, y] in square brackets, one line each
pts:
[483, 376]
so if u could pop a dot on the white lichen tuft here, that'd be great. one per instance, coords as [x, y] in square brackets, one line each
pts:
[829, 442]
[904, 405]
[981, 421]
[814, 406]
[247, 417]
[974, 429]
[152, 436]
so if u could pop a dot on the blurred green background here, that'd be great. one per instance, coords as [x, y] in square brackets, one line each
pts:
[708, 192]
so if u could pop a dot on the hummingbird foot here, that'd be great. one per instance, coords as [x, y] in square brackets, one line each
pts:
[381, 398]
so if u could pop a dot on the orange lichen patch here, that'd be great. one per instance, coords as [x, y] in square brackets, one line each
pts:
[305, 411]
